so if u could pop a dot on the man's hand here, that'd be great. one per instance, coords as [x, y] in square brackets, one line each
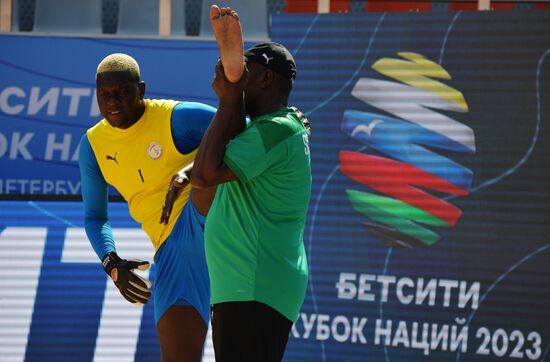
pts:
[177, 184]
[226, 90]
[133, 288]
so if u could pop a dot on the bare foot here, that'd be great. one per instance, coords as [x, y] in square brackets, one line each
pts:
[229, 36]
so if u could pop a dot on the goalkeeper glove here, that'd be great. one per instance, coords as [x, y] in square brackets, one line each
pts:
[133, 288]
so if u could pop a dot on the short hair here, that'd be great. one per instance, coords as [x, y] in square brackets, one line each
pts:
[118, 62]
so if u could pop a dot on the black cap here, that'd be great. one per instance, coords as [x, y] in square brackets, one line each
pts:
[273, 56]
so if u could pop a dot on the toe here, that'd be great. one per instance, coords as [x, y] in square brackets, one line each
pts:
[214, 12]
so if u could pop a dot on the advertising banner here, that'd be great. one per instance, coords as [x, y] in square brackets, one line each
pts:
[429, 220]
[428, 228]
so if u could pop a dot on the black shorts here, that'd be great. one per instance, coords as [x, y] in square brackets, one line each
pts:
[248, 332]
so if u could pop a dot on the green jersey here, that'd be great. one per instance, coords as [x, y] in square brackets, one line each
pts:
[254, 229]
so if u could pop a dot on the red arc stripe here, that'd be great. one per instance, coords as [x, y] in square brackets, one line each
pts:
[398, 179]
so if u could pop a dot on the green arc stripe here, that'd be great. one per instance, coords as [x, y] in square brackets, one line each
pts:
[396, 214]
[396, 207]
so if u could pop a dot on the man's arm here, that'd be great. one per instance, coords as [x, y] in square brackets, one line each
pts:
[96, 223]
[201, 198]
[95, 198]
[209, 168]
[188, 123]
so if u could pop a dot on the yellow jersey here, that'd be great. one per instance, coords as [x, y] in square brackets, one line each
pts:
[139, 162]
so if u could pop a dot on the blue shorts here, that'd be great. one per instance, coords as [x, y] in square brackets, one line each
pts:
[180, 263]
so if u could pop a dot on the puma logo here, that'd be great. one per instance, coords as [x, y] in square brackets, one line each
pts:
[267, 59]
[112, 158]
[367, 129]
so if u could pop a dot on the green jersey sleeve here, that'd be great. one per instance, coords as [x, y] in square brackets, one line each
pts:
[247, 156]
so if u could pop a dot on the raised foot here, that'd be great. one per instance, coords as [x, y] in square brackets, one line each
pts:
[229, 36]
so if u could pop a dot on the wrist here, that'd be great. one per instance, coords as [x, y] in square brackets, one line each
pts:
[180, 177]
[110, 262]
[230, 100]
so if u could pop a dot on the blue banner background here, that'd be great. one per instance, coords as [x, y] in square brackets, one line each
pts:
[500, 64]
[171, 69]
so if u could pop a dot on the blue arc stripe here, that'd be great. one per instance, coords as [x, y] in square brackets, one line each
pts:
[402, 140]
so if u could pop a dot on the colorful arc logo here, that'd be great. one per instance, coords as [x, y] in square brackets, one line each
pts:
[401, 210]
